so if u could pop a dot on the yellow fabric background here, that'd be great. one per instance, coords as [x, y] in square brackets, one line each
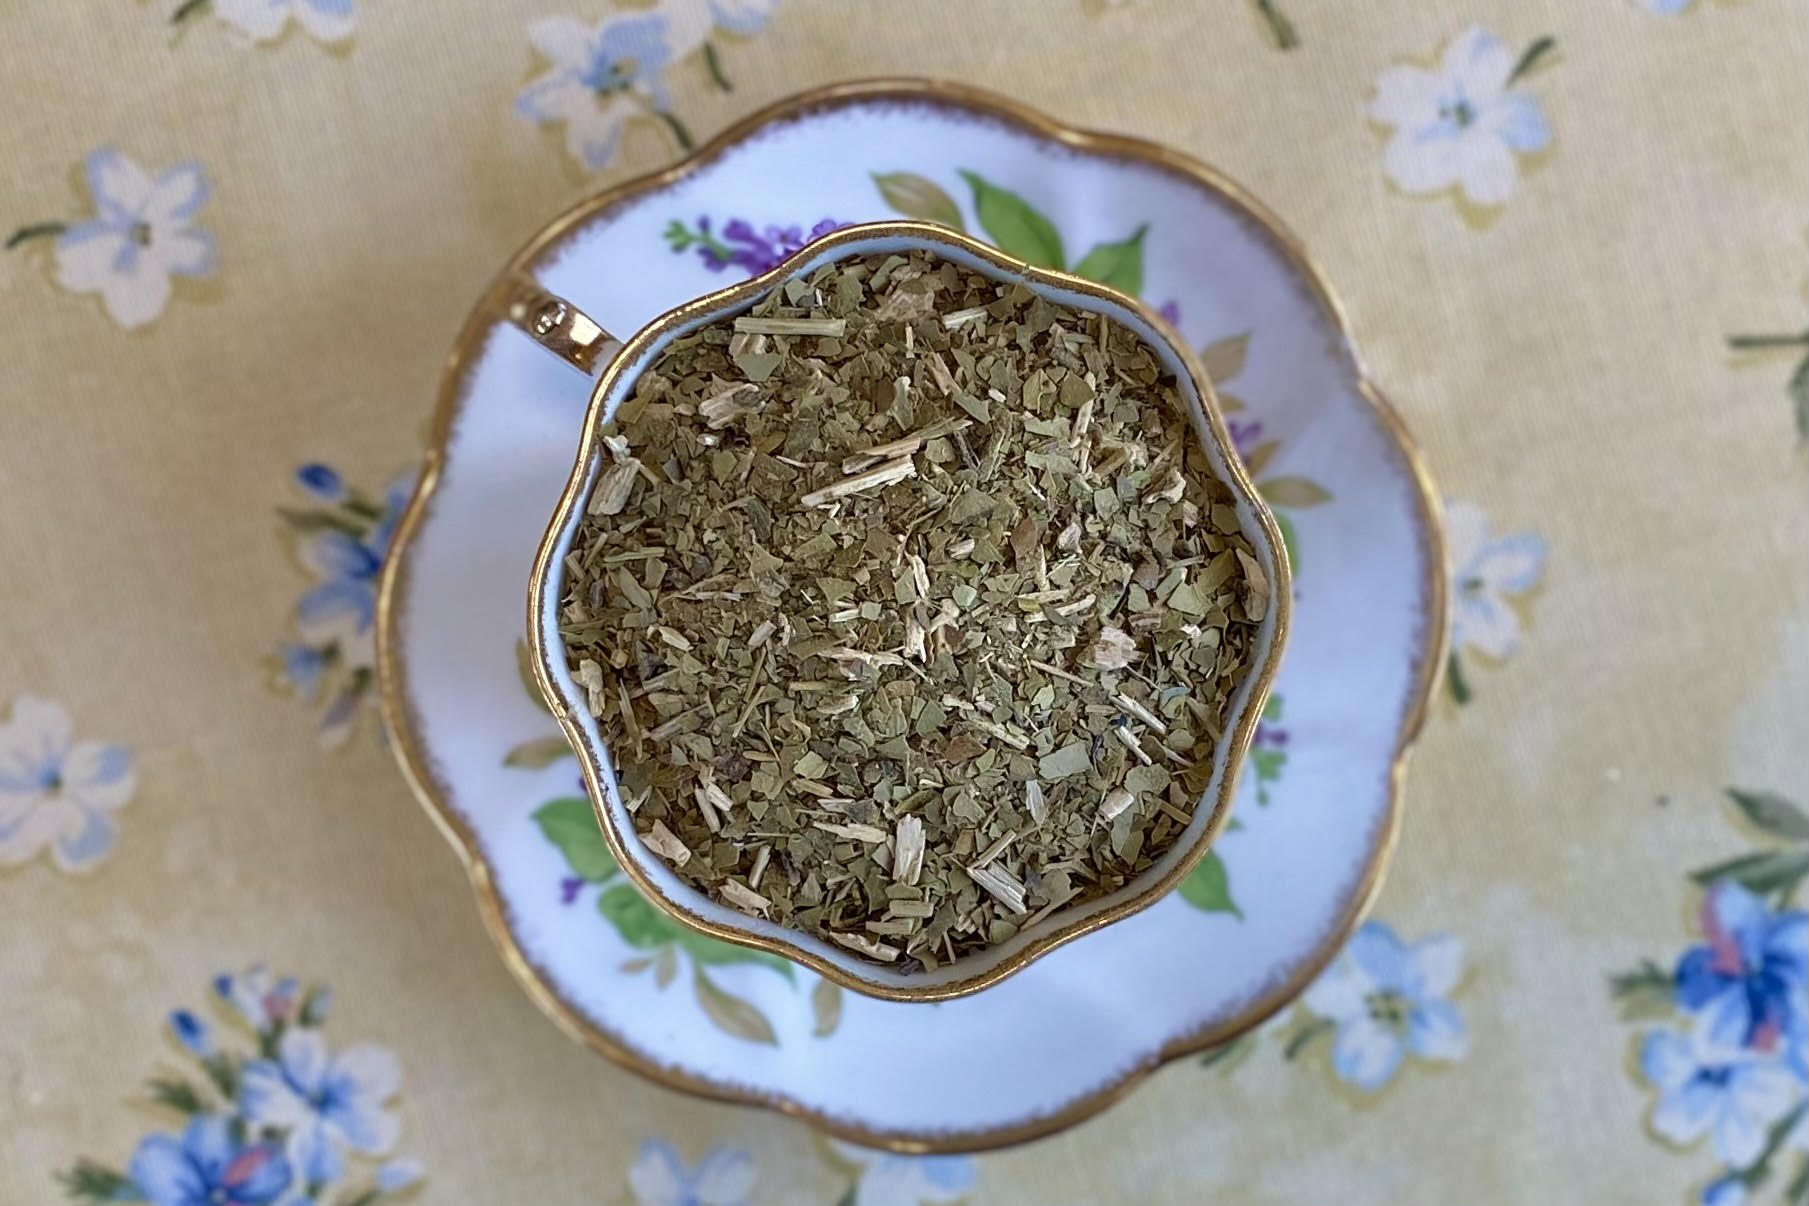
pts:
[1564, 365]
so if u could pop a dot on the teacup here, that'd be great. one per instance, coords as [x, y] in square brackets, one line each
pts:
[565, 331]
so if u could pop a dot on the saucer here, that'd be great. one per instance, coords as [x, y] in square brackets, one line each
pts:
[1317, 806]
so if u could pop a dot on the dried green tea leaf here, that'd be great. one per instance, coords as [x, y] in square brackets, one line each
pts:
[1075, 758]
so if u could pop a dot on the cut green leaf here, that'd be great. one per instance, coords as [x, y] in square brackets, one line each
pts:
[569, 824]
[917, 196]
[825, 1008]
[1015, 226]
[1224, 359]
[1209, 888]
[731, 1014]
[1772, 871]
[538, 753]
[1772, 813]
[1293, 492]
[1119, 265]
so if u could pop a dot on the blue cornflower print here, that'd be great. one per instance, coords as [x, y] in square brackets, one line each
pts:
[327, 1103]
[271, 1116]
[142, 233]
[598, 78]
[206, 1168]
[724, 1177]
[341, 543]
[262, 20]
[1465, 123]
[1386, 999]
[57, 793]
[890, 1179]
[1707, 1088]
[1749, 985]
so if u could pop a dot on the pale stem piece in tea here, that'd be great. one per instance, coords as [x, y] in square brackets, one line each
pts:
[910, 607]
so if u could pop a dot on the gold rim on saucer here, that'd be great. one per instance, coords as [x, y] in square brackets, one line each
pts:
[425, 778]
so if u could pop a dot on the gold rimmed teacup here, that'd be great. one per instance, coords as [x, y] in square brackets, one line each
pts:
[566, 332]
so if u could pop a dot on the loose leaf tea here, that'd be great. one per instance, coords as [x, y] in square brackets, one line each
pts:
[910, 608]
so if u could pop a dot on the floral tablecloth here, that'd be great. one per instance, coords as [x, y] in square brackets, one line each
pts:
[240, 965]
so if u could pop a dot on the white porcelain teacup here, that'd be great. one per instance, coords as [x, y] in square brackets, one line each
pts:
[565, 331]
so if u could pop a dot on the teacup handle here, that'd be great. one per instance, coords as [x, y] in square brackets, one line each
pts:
[560, 327]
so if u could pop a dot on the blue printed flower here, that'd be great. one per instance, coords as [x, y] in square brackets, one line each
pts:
[1461, 123]
[1727, 1191]
[599, 78]
[206, 1168]
[658, 1177]
[691, 22]
[192, 1033]
[1387, 999]
[1708, 1087]
[340, 610]
[325, 1103]
[1750, 983]
[322, 481]
[1487, 571]
[262, 20]
[254, 995]
[742, 16]
[887, 1179]
[142, 234]
[58, 793]
[397, 1175]
[302, 667]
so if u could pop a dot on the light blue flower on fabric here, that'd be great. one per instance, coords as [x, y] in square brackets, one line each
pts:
[1487, 571]
[57, 793]
[322, 481]
[326, 1103]
[742, 16]
[658, 1177]
[1387, 999]
[143, 233]
[1728, 1191]
[1460, 123]
[192, 1033]
[599, 78]
[262, 20]
[1749, 985]
[397, 1175]
[1707, 1087]
[342, 606]
[262, 1001]
[302, 667]
[206, 1168]
[889, 1179]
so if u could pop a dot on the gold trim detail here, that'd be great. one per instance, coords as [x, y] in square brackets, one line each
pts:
[559, 327]
[424, 777]
[592, 757]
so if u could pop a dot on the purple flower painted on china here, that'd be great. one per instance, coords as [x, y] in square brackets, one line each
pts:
[741, 245]
[1245, 435]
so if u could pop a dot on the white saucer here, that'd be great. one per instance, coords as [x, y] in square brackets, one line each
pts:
[1317, 809]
